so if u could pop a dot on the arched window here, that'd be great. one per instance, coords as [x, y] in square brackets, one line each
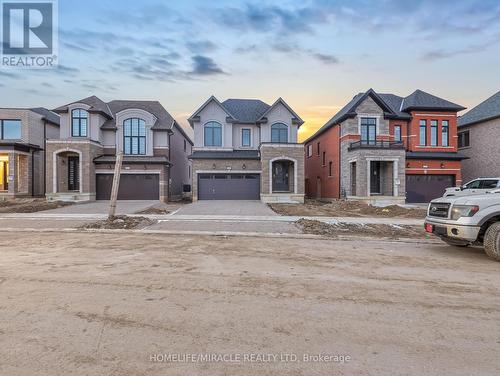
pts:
[134, 136]
[279, 133]
[213, 134]
[79, 122]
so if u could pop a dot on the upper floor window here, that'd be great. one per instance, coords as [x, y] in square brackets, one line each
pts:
[213, 134]
[309, 150]
[434, 132]
[279, 133]
[134, 136]
[246, 140]
[323, 161]
[185, 145]
[368, 130]
[397, 133]
[445, 135]
[463, 139]
[79, 122]
[10, 129]
[330, 168]
[423, 132]
[318, 149]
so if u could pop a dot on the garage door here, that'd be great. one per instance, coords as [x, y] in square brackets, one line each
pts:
[229, 187]
[424, 188]
[132, 186]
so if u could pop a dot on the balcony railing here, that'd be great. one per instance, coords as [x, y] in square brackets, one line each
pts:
[376, 145]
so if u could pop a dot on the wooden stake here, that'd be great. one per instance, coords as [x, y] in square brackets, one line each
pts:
[116, 185]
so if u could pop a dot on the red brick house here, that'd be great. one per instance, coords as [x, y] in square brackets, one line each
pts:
[383, 147]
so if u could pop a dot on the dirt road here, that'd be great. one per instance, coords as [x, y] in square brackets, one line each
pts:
[106, 304]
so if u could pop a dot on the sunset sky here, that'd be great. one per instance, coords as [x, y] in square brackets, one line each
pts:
[315, 54]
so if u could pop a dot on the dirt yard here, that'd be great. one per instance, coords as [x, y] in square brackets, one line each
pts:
[343, 208]
[29, 205]
[122, 222]
[122, 304]
[372, 230]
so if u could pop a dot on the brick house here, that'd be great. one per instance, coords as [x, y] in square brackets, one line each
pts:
[80, 163]
[383, 147]
[245, 149]
[478, 135]
[22, 150]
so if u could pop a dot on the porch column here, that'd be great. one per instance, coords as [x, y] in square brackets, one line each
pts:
[368, 177]
[12, 177]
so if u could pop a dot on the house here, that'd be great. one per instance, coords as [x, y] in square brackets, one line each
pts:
[478, 135]
[22, 150]
[80, 163]
[383, 147]
[245, 149]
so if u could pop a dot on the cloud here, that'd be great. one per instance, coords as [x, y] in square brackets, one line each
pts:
[205, 66]
[439, 54]
[8, 74]
[201, 46]
[325, 58]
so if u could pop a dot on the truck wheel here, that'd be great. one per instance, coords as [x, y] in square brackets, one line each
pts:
[492, 241]
[456, 243]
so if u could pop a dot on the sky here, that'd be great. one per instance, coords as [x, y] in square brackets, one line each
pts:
[315, 54]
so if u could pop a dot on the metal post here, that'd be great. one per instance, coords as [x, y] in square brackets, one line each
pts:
[116, 185]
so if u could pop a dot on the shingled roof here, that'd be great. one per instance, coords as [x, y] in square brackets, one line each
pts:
[246, 110]
[487, 110]
[164, 121]
[394, 107]
[95, 104]
[48, 115]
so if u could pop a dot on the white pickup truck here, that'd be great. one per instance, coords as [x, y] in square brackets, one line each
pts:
[474, 187]
[467, 220]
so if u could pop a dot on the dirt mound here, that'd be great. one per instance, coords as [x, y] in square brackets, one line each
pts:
[344, 208]
[374, 230]
[120, 222]
[29, 205]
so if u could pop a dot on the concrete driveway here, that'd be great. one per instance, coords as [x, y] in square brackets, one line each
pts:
[226, 207]
[102, 207]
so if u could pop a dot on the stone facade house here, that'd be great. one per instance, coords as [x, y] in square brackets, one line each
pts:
[80, 163]
[478, 135]
[385, 148]
[22, 150]
[247, 150]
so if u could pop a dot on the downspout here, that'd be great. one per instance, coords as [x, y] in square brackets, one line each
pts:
[44, 158]
[170, 164]
[33, 173]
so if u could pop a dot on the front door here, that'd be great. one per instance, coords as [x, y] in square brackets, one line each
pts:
[353, 179]
[280, 176]
[73, 176]
[375, 177]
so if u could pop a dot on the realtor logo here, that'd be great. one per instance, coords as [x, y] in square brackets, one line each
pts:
[29, 34]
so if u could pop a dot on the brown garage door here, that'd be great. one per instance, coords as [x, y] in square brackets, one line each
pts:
[424, 188]
[229, 187]
[132, 186]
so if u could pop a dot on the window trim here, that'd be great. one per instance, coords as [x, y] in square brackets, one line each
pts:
[221, 134]
[2, 131]
[280, 132]
[87, 118]
[309, 150]
[249, 138]
[422, 126]
[447, 126]
[368, 141]
[139, 137]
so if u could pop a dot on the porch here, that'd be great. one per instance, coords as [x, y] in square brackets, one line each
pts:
[15, 174]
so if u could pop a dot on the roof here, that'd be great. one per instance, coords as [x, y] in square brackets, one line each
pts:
[394, 107]
[133, 159]
[246, 110]
[420, 100]
[48, 115]
[95, 105]
[487, 110]
[435, 155]
[164, 120]
[216, 154]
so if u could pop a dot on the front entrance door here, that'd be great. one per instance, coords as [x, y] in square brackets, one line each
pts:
[73, 175]
[375, 177]
[281, 181]
[4, 176]
[353, 179]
